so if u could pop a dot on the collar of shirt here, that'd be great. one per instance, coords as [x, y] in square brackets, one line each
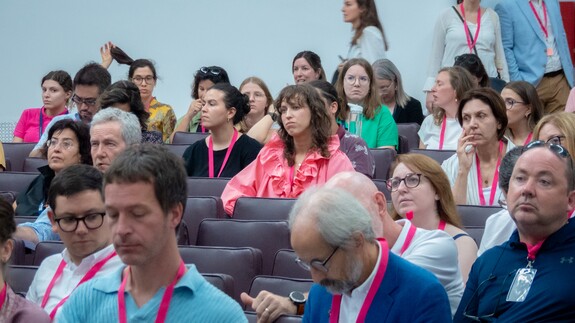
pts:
[88, 261]
[406, 224]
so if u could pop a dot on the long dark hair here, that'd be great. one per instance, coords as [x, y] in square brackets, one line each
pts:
[368, 18]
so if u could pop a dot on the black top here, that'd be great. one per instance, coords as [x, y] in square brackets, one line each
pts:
[243, 153]
[411, 112]
[28, 203]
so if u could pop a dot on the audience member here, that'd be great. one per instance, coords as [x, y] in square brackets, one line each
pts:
[524, 109]
[529, 277]
[403, 107]
[303, 154]
[261, 105]
[441, 130]
[142, 72]
[56, 91]
[368, 39]
[145, 195]
[472, 63]
[225, 152]
[306, 66]
[536, 48]
[204, 79]
[356, 85]
[463, 29]
[78, 216]
[13, 308]
[425, 198]
[356, 277]
[472, 170]
[89, 82]
[125, 95]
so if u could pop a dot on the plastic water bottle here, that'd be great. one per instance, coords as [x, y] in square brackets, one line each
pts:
[355, 118]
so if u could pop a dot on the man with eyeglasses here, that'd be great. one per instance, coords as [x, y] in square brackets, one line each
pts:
[530, 277]
[78, 215]
[90, 81]
[357, 277]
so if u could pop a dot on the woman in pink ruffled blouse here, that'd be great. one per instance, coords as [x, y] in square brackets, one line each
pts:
[301, 155]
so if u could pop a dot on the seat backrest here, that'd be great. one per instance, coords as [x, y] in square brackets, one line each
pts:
[435, 154]
[205, 186]
[16, 181]
[402, 144]
[177, 149]
[19, 278]
[24, 218]
[45, 249]
[31, 164]
[223, 282]
[382, 187]
[259, 208]
[7, 196]
[473, 218]
[383, 160]
[281, 286]
[409, 131]
[188, 138]
[17, 152]
[285, 265]
[197, 209]
[18, 256]
[242, 263]
[268, 236]
[253, 318]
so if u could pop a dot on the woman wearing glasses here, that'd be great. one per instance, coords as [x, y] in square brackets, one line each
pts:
[420, 192]
[473, 170]
[204, 79]
[303, 154]
[524, 109]
[356, 85]
[142, 72]
[56, 91]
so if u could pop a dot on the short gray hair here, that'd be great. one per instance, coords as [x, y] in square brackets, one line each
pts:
[337, 214]
[506, 167]
[384, 69]
[129, 124]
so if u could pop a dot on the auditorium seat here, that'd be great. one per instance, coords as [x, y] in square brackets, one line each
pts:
[31, 164]
[409, 131]
[15, 181]
[45, 249]
[435, 154]
[268, 236]
[382, 187]
[18, 256]
[8, 196]
[205, 186]
[197, 209]
[285, 265]
[402, 144]
[19, 278]
[223, 282]
[188, 138]
[473, 218]
[383, 160]
[15, 153]
[259, 208]
[177, 149]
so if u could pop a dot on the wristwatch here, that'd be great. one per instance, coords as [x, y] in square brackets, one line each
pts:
[274, 116]
[298, 299]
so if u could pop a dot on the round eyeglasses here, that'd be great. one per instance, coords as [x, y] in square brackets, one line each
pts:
[509, 103]
[92, 221]
[410, 180]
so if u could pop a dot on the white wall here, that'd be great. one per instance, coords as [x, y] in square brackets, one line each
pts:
[246, 37]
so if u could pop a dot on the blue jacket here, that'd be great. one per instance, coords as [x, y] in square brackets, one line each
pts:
[407, 294]
[524, 41]
[550, 298]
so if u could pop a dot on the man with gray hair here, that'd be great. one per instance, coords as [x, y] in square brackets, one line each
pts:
[357, 278]
[111, 132]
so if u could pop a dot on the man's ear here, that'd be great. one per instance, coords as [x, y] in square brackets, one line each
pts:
[176, 214]
[51, 217]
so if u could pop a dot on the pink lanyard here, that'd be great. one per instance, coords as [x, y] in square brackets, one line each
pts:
[441, 225]
[165, 303]
[528, 140]
[3, 296]
[442, 133]
[495, 178]
[532, 250]
[467, 31]
[541, 24]
[211, 154]
[408, 239]
[336, 300]
[89, 275]
[409, 215]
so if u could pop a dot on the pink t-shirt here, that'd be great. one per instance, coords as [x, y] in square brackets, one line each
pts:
[28, 127]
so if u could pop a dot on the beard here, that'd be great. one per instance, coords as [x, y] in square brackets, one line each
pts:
[341, 286]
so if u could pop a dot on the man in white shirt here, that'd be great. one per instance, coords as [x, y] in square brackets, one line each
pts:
[78, 215]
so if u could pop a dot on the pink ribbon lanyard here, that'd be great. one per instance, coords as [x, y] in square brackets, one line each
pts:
[442, 133]
[409, 215]
[495, 178]
[441, 225]
[467, 31]
[211, 154]
[336, 300]
[89, 275]
[3, 296]
[532, 250]
[408, 238]
[164, 304]
[541, 24]
[528, 140]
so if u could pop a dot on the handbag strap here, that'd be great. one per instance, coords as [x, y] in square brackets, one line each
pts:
[468, 31]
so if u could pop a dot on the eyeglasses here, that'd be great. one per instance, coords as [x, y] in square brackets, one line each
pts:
[316, 264]
[66, 144]
[350, 79]
[411, 181]
[557, 149]
[211, 70]
[139, 80]
[79, 101]
[92, 221]
[509, 103]
[555, 140]
[475, 297]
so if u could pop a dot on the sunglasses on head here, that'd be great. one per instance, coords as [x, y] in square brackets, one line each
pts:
[211, 70]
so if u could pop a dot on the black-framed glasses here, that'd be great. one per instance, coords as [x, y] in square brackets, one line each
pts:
[79, 101]
[139, 80]
[211, 70]
[475, 297]
[316, 264]
[509, 103]
[555, 140]
[410, 180]
[92, 221]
